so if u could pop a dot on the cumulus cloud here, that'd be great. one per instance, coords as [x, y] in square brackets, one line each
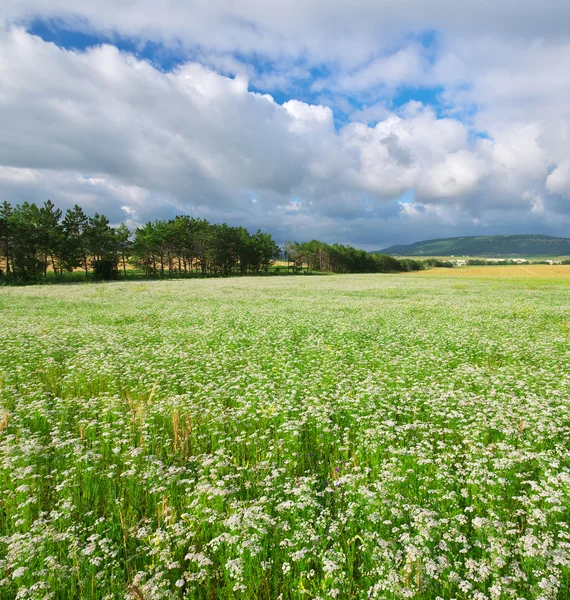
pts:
[118, 134]
[558, 182]
[406, 66]
[346, 31]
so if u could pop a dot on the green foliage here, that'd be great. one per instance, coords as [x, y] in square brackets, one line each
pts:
[105, 269]
[33, 239]
[6, 236]
[29, 261]
[435, 262]
[100, 238]
[74, 250]
[185, 244]
[409, 264]
[123, 244]
[337, 258]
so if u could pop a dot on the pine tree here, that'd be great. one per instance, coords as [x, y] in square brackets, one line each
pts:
[124, 244]
[75, 225]
[6, 235]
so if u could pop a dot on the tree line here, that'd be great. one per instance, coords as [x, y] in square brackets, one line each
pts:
[338, 258]
[37, 239]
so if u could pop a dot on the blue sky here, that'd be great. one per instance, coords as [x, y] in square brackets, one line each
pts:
[56, 32]
[365, 122]
[167, 58]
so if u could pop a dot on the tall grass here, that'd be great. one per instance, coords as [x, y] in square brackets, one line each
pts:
[342, 437]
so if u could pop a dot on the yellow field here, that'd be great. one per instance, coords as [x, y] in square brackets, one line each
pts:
[528, 271]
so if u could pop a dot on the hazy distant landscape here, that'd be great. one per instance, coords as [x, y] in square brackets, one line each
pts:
[486, 246]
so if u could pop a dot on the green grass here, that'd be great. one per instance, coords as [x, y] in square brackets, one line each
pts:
[367, 436]
[139, 275]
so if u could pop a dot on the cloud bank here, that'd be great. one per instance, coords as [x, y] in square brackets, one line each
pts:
[381, 137]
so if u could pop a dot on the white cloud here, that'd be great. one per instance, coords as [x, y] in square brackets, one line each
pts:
[558, 182]
[406, 66]
[456, 176]
[109, 131]
[346, 31]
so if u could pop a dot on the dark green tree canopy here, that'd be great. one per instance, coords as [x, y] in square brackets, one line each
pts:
[34, 239]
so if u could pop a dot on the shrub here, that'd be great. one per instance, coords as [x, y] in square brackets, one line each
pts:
[105, 269]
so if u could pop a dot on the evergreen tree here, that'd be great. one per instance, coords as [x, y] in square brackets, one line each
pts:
[6, 235]
[75, 252]
[32, 237]
[124, 244]
[144, 247]
[51, 235]
[29, 261]
[265, 251]
[102, 247]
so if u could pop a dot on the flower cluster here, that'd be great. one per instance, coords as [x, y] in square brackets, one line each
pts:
[360, 437]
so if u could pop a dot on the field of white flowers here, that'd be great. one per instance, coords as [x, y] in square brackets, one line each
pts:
[370, 436]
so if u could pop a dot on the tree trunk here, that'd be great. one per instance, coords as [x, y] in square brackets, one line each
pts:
[8, 258]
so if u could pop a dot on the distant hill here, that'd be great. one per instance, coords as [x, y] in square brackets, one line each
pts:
[485, 245]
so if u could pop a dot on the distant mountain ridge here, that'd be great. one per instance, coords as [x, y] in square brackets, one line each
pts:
[485, 245]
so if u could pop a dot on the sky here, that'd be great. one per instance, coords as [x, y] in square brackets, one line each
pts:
[364, 122]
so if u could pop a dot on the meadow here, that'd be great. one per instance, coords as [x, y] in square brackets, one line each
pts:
[503, 271]
[356, 436]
